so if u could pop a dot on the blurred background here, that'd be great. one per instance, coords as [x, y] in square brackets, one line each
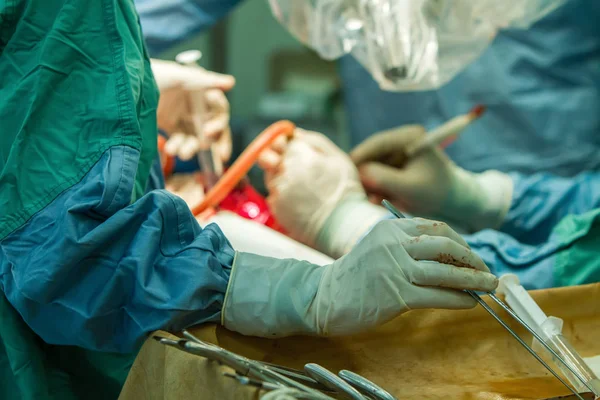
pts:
[278, 79]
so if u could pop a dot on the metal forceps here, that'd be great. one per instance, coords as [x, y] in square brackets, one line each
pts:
[316, 376]
[347, 384]
[365, 385]
[313, 376]
[487, 308]
[289, 372]
[241, 365]
[333, 383]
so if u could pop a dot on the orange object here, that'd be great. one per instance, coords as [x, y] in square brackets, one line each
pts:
[243, 164]
[246, 202]
[167, 161]
[477, 111]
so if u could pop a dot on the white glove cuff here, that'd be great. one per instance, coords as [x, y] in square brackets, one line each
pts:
[350, 220]
[270, 297]
[498, 188]
[485, 198]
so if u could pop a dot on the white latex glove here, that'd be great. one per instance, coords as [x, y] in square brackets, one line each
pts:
[430, 184]
[394, 269]
[180, 84]
[316, 195]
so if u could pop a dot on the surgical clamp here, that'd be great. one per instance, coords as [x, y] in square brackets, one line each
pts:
[244, 380]
[352, 378]
[365, 385]
[332, 382]
[289, 372]
[240, 364]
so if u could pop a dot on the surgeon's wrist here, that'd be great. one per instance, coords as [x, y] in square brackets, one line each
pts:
[480, 200]
[270, 297]
[351, 220]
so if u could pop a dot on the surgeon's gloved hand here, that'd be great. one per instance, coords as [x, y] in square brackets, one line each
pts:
[430, 184]
[399, 266]
[316, 195]
[183, 89]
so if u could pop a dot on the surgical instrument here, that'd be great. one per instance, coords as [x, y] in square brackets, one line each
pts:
[441, 136]
[212, 353]
[244, 380]
[208, 157]
[586, 396]
[293, 373]
[274, 391]
[240, 364]
[332, 381]
[446, 132]
[549, 328]
[487, 308]
[356, 380]
[365, 385]
[392, 209]
[540, 339]
[352, 378]
[298, 375]
[518, 339]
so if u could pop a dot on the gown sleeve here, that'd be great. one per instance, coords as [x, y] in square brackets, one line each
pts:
[93, 269]
[542, 200]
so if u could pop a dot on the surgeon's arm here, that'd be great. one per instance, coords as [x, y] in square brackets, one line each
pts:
[540, 201]
[167, 23]
[430, 184]
[95, 271]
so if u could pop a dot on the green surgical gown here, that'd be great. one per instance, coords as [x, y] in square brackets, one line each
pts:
[62, 65]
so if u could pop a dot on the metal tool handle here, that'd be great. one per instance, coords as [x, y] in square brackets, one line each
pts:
[540, 339]
[525, 345]
[332, 381]
[298, 375]
[392, 209]
[366, 385]
[240, 364]
[253, 368]
[244, 380]
[221, 355]
[208, 158]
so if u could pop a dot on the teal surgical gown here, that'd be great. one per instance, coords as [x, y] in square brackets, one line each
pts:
[547, 249]
[92, 255]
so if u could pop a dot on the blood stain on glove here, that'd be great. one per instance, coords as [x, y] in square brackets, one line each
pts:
[449, 259]
[424, 228]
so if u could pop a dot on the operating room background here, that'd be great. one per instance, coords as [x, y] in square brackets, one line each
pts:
[276, 78]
